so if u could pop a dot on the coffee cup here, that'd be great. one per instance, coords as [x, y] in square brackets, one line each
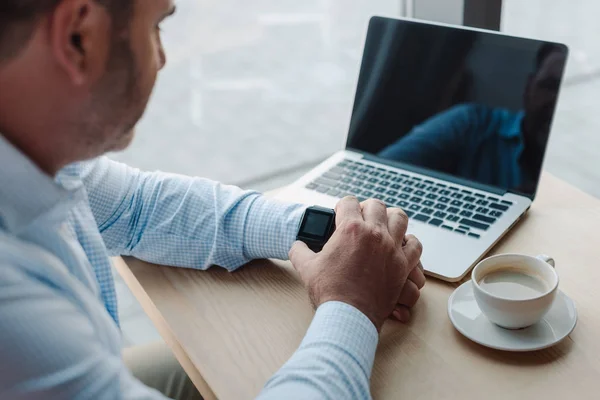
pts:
[515, 291]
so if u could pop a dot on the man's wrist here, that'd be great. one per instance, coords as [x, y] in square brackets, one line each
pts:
[365, 309]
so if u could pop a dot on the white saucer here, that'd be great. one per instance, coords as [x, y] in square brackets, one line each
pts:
[468, 319]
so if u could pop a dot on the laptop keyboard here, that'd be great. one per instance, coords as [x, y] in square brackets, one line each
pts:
[435, 203]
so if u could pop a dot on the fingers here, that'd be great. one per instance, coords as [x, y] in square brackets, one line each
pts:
[397, 224]
[413, 249]
[375, 211]
[402, 314]
[300, 255]
[410, 295]
[418, 276]
[348, 209]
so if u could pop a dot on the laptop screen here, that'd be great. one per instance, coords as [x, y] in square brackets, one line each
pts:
[456, 102]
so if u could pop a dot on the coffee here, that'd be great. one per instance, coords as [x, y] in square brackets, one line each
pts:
[513, 283]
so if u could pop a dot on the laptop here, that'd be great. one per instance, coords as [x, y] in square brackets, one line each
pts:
[451, 124]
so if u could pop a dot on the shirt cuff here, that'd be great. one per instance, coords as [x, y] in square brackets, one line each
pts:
[346, 327]
[271, 228]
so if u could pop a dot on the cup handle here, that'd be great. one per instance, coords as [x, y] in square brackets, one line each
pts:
[547, 259]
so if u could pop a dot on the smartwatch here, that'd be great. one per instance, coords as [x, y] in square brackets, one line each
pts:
[316, 227]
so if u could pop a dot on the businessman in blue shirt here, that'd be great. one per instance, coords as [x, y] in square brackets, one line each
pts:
[491, 145]
[75, 77]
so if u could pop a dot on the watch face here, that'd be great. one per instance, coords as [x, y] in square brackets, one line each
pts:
[316, 224]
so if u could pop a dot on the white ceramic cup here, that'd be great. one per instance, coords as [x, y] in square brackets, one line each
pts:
[510, 313]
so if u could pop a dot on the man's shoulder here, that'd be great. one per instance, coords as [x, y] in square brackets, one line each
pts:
[22, 260]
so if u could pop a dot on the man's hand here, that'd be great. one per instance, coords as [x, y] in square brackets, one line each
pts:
[366, 263]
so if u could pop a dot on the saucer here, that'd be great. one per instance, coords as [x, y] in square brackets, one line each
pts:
[468, 319]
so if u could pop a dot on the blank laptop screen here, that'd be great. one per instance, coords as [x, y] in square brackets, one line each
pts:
[468, 104]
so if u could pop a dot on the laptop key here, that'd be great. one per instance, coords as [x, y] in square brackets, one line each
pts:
[352, 174]
[495, 214]
[499, 207]
[362, 177]
[323, 189]
[390, 200]
[380, 189]
[480, 195]
[432, 196]
[326, 182]
[385, 183]
[367, 193]
[332, 175]
[421, 185]
[440, 206]
[409, 213]
[347, 180]
[508, 203]
[416, 199]
[428, 203]
[447, 227]
[445, 192]
[469, 199]
[484, 218]
[333, 192]
[373, 180]
[428, 182]
[440, 214]
[397, 179]
[404, 196]
[434, 189]
[427, 211]
[436, 222]
[379, 196]
[311, 186]
[466, 213]
[453, 210]
[490, 198]
[374, 174]
[444, 199]
[407, 189]
[414, 207]
[420, 193]
[460, 231]
[474, 224]
[456, 203]
[391, 193]
[416, 178]
[403, 203]
[395, 186]
[344, 187]
[409, 183]
[421, 217]
[474, 235]
[482, 210]
[453, 188]
[385, 176]
[457, 196]
[440, 185]
[453, 218]
[470, 207]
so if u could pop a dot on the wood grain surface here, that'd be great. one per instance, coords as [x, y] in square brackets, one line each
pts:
[232, 331]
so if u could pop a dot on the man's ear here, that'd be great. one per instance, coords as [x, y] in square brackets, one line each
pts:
[80, 39]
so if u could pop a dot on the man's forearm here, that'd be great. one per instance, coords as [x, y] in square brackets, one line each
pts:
[334, 361]
[184, 221]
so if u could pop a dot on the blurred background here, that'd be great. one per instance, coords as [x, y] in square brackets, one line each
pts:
[255, 93]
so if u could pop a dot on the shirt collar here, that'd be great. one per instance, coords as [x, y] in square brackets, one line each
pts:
[510, 128]
[27, 194]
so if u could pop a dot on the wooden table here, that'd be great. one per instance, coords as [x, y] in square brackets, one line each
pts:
[232, 331]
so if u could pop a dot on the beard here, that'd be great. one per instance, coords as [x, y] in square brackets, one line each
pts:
[116, 105]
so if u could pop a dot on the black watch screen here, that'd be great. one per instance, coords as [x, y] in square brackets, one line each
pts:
[316, 227]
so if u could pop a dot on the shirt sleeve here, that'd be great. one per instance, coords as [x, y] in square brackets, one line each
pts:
[51, 350]
[334, 361]
[183, 221]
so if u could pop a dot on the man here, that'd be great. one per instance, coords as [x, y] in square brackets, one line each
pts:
[491, 145]
[75, 77]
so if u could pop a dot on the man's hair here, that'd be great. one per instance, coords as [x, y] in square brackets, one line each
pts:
[18, 19]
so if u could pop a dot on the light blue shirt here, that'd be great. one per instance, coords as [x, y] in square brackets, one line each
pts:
[59, 325]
